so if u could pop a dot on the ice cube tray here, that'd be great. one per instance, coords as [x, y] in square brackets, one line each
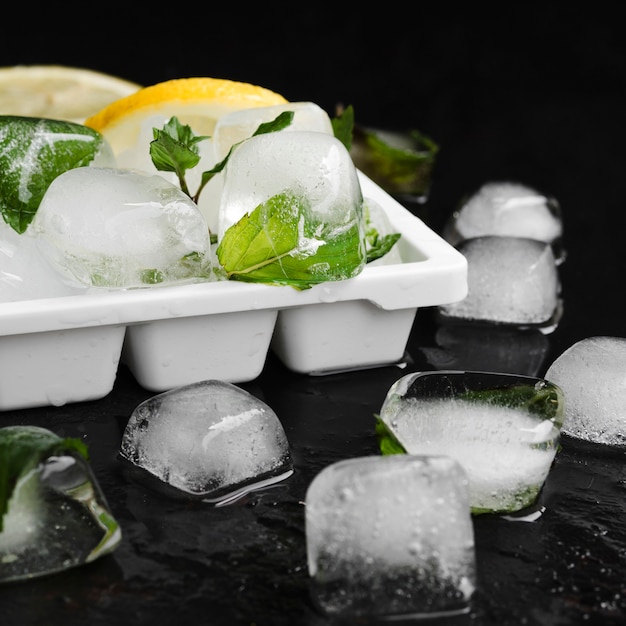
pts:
[56, 351]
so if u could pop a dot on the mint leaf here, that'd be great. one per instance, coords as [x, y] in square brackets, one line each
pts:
[282, 243]
[401, 163]
[545, 403]
[281, 122]
[343, 125]
[175, 149]
[22, 448]
[387, 441]
[33, 152]
[378, 246]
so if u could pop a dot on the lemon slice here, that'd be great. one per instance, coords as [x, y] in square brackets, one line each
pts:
[198, 102]
[58, 92]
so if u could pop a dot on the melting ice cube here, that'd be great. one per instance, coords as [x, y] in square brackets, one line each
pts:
[511, 280]
[57, 516]
[390, 536]
[503, 429]
[507, 209]
[591, 374]
[120, 228]
[211, 440]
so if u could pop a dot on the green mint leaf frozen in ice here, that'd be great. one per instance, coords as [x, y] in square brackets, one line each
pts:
[22, 448]
[387, 441]
[546, 403]
[282, 243]
[401, 163]
[378, 246]
[33, 152]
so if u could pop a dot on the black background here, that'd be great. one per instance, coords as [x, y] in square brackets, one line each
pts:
[533, 95]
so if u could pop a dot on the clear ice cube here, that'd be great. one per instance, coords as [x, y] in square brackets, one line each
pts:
[390, 536]
[237, 126]
[591, 374]
[209, 440]
[25, 274]
[307, 164]
[502, 428]
[57, 517]
[121, 228]
[511, 280]
[507, 209]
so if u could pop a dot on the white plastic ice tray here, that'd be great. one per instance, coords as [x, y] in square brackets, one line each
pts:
[61, 350]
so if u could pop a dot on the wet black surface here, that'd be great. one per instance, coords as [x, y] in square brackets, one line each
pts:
[537, 98]
[246, 563]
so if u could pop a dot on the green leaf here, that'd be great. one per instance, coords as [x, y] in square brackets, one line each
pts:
[281, 122]
[401, 163]
[22, 448]
[387, 441]
[282, 243]
[343, 126]
[378, 246]
[545, 403]
[175, 149]
[33, 152]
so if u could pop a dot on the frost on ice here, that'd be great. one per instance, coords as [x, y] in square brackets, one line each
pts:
[591, 374]
[503, 429]
[511, 280]
[210, 440]
[121, 228]
[390, 536]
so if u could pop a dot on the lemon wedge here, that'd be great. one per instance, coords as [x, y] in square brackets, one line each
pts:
[198, 102]
[58, 92]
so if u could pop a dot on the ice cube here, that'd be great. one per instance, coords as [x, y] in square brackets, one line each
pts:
[591, 374]
[25, 274]
[502, 428]
[57, 517]
[307, 164]
[511, 280]
[390, 536]
[121, 228]
[209, 440]
[507, 209]
[237, 126]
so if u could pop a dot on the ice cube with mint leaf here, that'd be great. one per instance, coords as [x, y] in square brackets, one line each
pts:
[175, 148]
[296, 208]
[53, 514]
[504, 429]
[33, 152]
